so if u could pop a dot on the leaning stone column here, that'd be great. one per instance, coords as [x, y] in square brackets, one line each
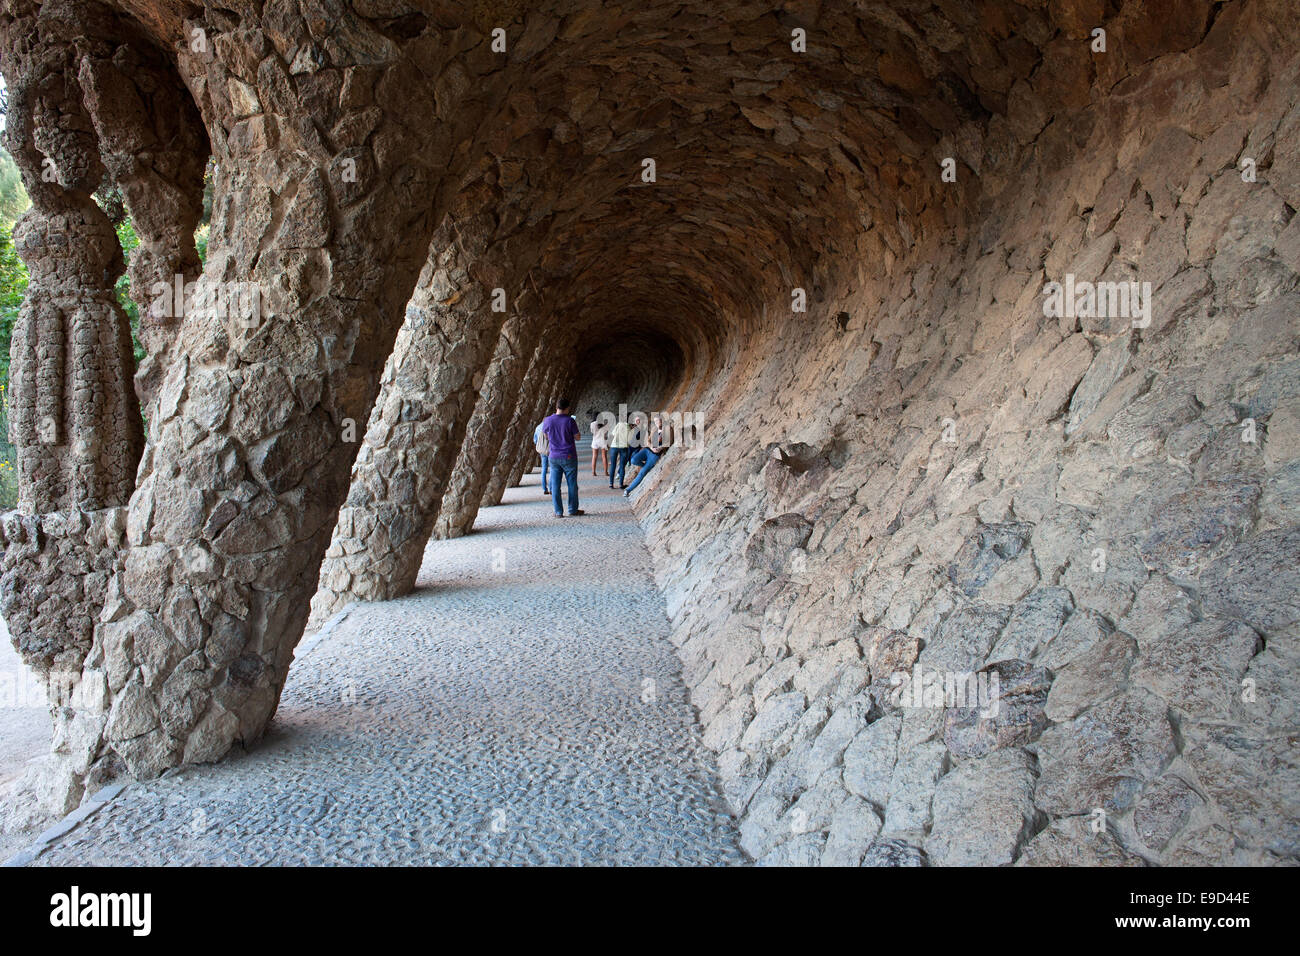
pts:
[312, 257]
[521, 456]
[519, 430]
[513, 465]
[543, 405]
[487, 430]
[436, 373]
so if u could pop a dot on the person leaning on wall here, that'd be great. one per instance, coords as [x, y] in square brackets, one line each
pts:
[658, 442]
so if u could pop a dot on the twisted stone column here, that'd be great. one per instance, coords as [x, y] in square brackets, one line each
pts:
[74, 418]
[155, 149]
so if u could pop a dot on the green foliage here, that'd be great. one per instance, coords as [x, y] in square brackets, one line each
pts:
[13, 197]
[129, 241]
[13, 273]
[8, 455]
[13, 286]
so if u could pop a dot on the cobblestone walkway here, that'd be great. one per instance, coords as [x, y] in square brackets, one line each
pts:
[522, 706]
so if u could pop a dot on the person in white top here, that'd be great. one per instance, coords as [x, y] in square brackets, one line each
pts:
[599, 442]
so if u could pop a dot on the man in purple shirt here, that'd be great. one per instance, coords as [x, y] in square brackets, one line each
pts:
[562, 433]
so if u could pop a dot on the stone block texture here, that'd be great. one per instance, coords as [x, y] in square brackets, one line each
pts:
[828, 232]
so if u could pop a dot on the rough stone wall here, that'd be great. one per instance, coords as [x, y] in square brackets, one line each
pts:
[955, 482]
[341, 134]
[53, 574]
[54, 578]
[646, 366]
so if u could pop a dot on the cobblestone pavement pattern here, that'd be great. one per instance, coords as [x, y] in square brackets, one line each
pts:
[524, 705]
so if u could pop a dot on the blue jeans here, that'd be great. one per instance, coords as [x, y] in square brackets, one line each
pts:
[646, 459]
[568, 467]
[618, 459]
[546, 474]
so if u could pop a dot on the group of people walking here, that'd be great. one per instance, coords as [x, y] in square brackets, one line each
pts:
[618, 445]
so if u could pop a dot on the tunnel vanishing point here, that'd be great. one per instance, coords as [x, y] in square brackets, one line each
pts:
[990, 309]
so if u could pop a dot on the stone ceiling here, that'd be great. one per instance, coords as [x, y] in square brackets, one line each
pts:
[772, 164]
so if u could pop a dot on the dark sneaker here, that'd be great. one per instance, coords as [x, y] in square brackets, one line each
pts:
[574, 514]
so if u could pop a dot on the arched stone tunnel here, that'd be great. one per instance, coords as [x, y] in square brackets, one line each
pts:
[987, 314]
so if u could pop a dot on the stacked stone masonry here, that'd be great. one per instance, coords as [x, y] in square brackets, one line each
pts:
[826, 230]
[1104, 515]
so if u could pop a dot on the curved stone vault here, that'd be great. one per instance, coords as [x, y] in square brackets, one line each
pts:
[828, 232]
